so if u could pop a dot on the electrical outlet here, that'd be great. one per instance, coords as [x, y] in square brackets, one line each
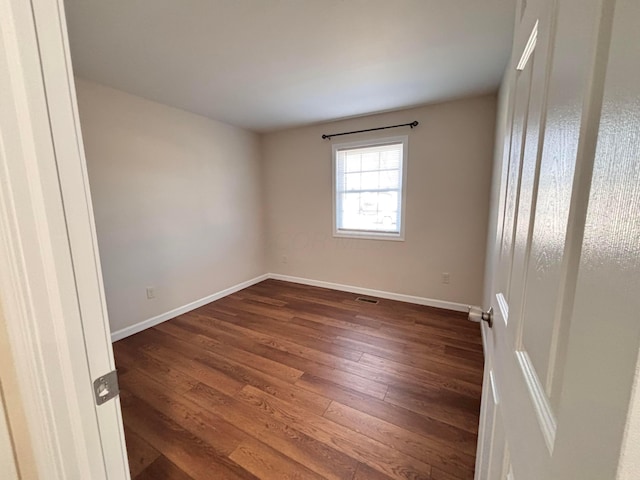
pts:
[446, 278]
[151, 293]
[284, 259]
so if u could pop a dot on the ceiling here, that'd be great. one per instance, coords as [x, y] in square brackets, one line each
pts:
[271, 64]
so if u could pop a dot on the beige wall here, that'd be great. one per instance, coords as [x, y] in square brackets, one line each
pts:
[180, 203]
[177, 201]
[449, 174]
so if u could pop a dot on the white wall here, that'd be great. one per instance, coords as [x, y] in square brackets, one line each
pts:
[448, 189]
[177, 201]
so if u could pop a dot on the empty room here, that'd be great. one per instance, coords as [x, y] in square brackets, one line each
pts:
[319, 239]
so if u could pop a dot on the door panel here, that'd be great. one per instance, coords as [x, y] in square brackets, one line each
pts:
[568, 81]
[488, 442]
[516, 374]
[539, 63]
[522, 90]
[493, 461]
[536, 268]
[604, 334]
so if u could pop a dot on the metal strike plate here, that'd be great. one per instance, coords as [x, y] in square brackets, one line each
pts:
[106, 387]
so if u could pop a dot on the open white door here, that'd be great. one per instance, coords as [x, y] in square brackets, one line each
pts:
[566, 284]
[50, 278]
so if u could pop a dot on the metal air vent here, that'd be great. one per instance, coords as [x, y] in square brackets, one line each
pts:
[367, 300]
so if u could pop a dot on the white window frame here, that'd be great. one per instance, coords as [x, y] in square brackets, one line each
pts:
[375, 142]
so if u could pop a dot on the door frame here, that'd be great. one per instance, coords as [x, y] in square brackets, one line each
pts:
[50, 276]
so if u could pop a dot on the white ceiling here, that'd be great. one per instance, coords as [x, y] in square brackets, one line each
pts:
[271, 64]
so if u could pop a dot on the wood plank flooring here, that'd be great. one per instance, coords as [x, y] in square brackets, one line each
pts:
[285, 381]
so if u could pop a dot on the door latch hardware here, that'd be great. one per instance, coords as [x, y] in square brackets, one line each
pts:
[106, 387]
[476, 314]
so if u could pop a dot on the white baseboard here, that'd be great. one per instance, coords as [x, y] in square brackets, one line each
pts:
[140, 326]
[429, 302]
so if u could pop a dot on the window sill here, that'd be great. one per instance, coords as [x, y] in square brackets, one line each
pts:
[369, 236]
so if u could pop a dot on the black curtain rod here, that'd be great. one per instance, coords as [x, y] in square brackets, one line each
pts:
[412, 124]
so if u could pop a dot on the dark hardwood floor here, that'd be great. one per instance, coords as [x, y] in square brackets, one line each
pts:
[285, 381]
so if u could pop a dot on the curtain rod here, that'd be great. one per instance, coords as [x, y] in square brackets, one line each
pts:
[412, 124]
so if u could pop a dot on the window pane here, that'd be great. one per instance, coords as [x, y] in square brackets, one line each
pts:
[388, 201]
[351, 203]
[389, 179]
[352, 181]
[371, 211]
[370, 181]
[352, 162]
[369, 185]
[368, 203]
[390, 159]
[371, 161]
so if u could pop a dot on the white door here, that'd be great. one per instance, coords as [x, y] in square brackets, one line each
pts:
[50, 279]
[566, 283]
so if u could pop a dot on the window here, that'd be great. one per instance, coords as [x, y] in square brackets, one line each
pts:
[369, 180]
